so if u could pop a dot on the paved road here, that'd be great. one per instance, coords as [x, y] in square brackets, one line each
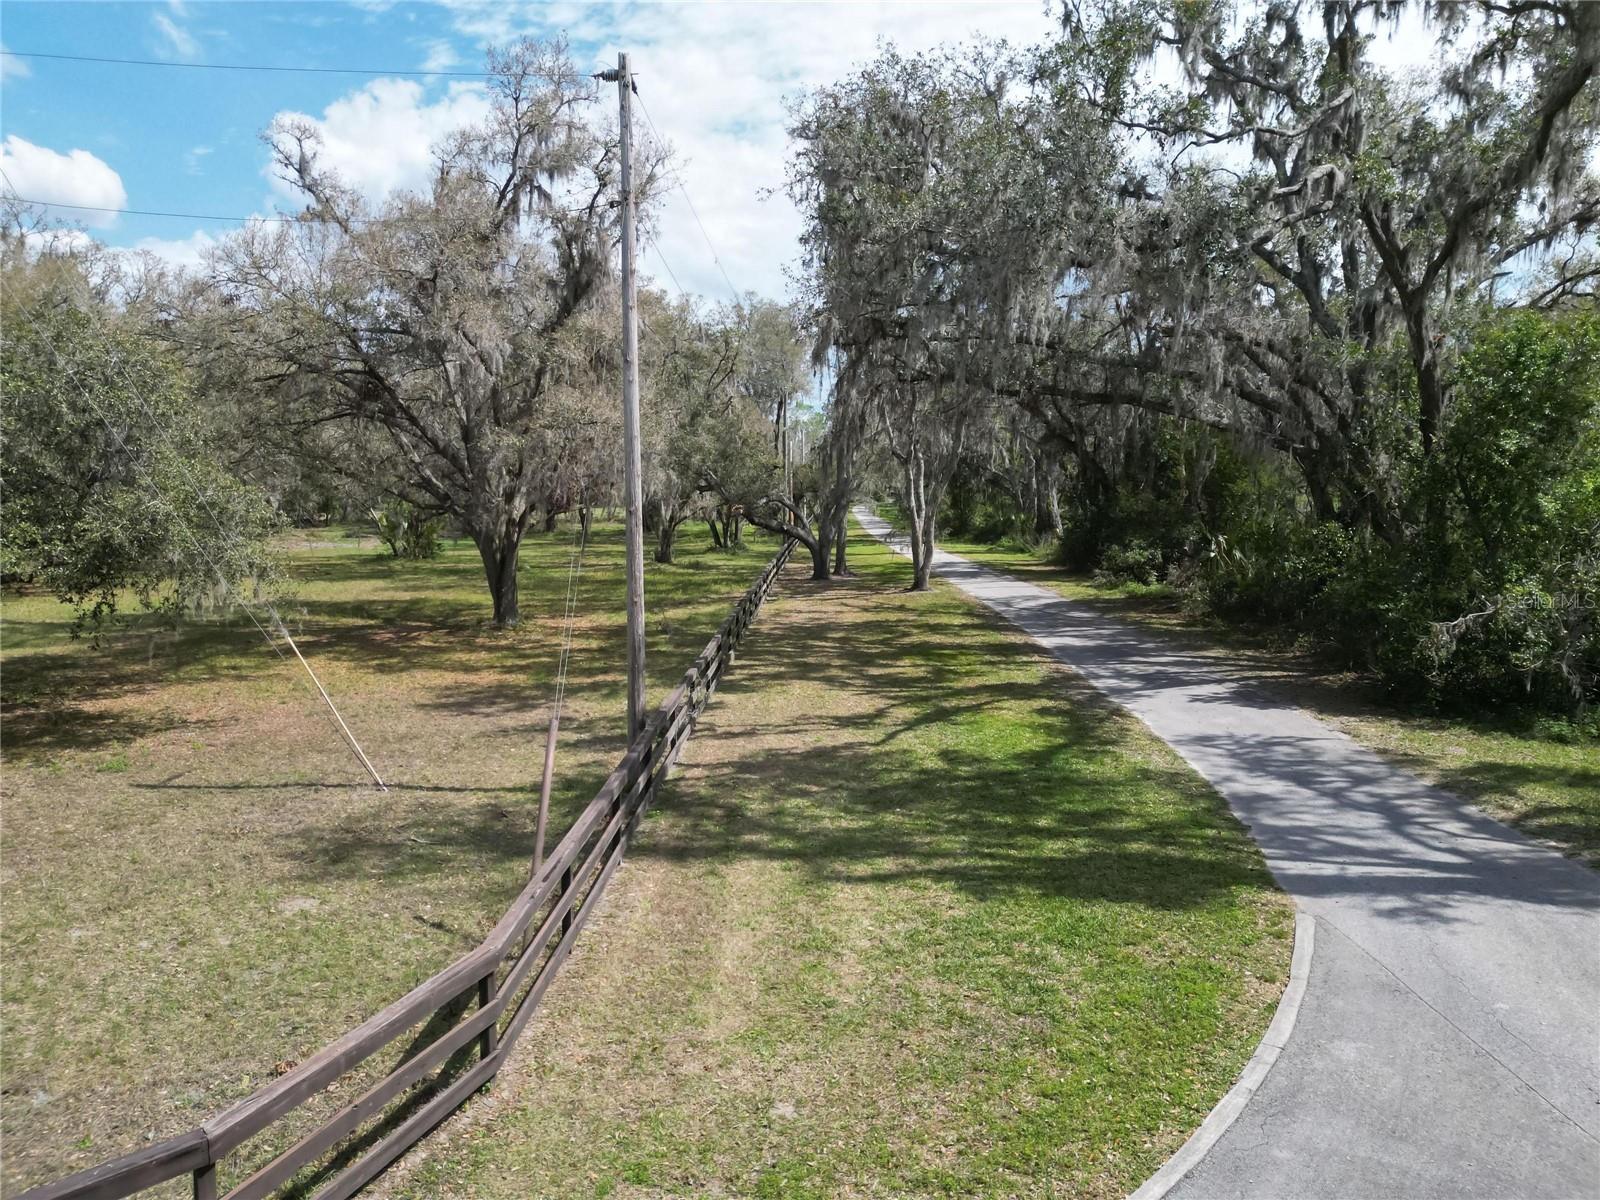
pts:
[1449, 1041]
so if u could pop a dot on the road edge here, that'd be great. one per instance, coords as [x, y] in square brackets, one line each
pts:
[1255, 1071]
[1279, 1030]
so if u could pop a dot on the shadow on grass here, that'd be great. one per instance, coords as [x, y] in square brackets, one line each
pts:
[877, 794]
[397, 618]
[1563, 824]
[1317, 798]
[1066, 814]
[309, 1181]
[1058, 812]
[1049, 819]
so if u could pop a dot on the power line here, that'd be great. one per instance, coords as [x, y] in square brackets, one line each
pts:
[145, 212]
[197, 66]
[279, 218]
[656, 246]
[694, 212]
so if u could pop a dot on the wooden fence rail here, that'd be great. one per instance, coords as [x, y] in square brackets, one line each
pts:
[481, 1002]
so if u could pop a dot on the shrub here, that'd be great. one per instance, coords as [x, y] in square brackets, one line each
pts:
[1495, 595]
[1136, 562]
[1158, 525]
[407, 531]
[114, 488]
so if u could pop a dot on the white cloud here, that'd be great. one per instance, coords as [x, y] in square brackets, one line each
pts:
[192, 160]
[441, 56]
[715, 78]
[175, 39]
[76, 177]
[12, 67]
[381, 137]
[187, 253]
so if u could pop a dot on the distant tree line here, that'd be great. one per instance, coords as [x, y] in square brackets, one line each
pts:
[1197, 292]
[444, 359]
[1205, 295]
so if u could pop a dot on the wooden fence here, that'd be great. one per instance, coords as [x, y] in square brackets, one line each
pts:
[474, 1009]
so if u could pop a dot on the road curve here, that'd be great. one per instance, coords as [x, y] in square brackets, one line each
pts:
[1449, 1041]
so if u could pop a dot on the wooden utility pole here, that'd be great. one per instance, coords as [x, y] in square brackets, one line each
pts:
[632, 492]
[781, 443]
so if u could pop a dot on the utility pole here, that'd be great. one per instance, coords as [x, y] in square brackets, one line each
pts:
[781, 438]
[632, 491]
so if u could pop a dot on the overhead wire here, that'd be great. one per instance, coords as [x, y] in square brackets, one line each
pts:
[705, 234]
[693, 211]
[574, 574]
[145, 212]
[575, 563]
[203, 66]
[563, 660]
[284, 218]
[655, 244]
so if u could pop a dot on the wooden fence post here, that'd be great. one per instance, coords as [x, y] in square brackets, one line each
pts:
[489, 1039]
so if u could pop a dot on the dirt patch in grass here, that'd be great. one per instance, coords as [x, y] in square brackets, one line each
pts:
[199, 887]
[920, 915]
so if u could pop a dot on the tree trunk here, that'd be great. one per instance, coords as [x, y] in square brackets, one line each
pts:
[1432, 394]
[923, 569]
[841, 529]
[819, 556]
[585, 520]
[716, 534]
[666, 535]
[1313, 472]
[499, 554]
[550, 517]
[919, 509]
[819, 559]
[1046, 500]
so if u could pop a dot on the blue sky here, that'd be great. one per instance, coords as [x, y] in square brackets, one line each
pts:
[714, 76]
[188, 140]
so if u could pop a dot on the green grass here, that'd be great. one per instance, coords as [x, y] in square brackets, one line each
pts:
[199, 886]
[1548, 788]
[920, 916]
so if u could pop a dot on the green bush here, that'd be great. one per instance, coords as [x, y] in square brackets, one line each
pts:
[407, 531]
[1136, 562]
[1519, 477]
[1470, 574]
[114, 483]
[1157, 523]
[1495, 596]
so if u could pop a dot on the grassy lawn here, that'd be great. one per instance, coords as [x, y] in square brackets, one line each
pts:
[919, 916]
[200, 886]
[1547, 788]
